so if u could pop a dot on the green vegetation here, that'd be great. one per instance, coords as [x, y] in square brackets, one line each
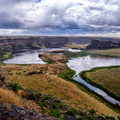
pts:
[56, 113]
[71, 111]
[15, 86]
[106, 78]
[67, 74]
[69, 54]
[91, 117]
[5, 55]
[92, 111]
[110, 117]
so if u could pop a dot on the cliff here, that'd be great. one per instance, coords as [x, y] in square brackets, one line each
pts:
[96, 44]
[10, 44]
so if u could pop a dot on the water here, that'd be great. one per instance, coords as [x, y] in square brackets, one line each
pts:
[88, 62]
[30, 56]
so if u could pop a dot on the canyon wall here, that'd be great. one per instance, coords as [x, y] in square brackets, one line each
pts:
[11, 44]
[96, 44]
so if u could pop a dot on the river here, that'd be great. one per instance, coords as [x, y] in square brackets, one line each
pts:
[85, 63]
[30, 56]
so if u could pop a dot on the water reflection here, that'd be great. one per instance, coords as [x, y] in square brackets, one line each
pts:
[88, 62]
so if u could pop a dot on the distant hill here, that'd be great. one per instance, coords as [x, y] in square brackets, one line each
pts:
[87, 40]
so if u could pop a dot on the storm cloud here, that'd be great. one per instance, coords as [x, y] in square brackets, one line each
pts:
[60, 17]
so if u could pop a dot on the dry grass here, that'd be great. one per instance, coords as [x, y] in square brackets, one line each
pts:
[108, 78]
[110, 52]
[9, 97]
[53, 85]
[79, 46]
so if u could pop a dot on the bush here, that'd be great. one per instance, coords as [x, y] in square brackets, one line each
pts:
[38, 95]
[81, 113]
[47, 97]
[90, 117]
[56, 113]
[71, 111]
[110, 117]
[15, 86]
[42, 104]
[54, 106]
[92, 111]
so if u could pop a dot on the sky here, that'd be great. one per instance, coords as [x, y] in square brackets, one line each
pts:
[60, 17]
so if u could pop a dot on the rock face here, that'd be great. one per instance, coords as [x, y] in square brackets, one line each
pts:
[11, 44]
[96, 44]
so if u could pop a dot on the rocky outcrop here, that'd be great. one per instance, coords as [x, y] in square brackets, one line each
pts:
[96, 44]
[11, 44]
[11, 112]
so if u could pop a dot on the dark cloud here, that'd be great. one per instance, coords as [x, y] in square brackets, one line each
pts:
[60, 17]
[6, 22]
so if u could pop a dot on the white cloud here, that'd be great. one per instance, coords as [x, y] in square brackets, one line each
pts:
[62, 16]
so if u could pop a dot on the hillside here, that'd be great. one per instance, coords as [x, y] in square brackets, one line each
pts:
[42, 85]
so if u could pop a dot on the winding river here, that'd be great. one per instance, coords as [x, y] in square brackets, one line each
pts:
[30, 56]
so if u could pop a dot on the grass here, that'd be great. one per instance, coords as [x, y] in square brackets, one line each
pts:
[106, 78]
[9, 97]
[108, 52]
[15, 86]
[69, 54]
[6, 55]
[49, 83]
[77, 46]
[71, 111]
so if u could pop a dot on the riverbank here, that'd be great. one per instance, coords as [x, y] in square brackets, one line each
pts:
[105, 78]
[6, 55]
[106, 53]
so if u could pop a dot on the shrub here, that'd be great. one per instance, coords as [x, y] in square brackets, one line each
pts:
[38, 95]
[47, 97]
[92, 111]
[15, 86]
[42, 104]
[81, 113]
[54, 106]
[71, 111]
[90, 117]
[56, 113]
[110, 117]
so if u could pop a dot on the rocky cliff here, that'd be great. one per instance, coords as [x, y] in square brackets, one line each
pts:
[11, 44]
[96, 44]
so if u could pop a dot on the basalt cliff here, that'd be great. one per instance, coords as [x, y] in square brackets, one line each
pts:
[11, 44]
[96, 44]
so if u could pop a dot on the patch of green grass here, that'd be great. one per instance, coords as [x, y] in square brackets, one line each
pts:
[54, 106]
[6, 55]
[81, 113]
[56, 113]
[69, 54]
[90, 117]
[71, 111]
[42, 104]
[38, 95]
[110, 117]
[92, 111]
[15, 86]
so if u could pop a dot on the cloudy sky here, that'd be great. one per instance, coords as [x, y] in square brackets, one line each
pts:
[60, 17]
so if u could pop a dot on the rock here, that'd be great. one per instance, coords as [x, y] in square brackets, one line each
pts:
[12, 44]
[96, 44]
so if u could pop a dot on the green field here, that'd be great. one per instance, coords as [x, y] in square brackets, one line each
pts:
[106, 78]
